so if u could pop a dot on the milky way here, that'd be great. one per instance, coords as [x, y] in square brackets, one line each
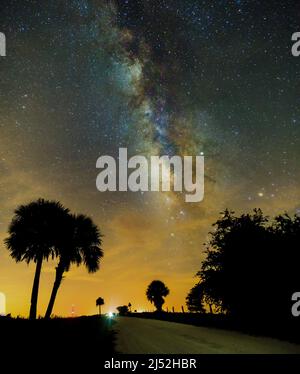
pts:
[83, 78]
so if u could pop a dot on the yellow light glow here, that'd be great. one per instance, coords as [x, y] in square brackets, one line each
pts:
[2, 304]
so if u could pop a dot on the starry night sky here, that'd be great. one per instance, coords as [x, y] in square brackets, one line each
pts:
[83, 78]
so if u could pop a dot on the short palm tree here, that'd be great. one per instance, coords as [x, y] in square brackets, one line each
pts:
[156, 292]
[99, 303]
[80, 244]
[33, 235]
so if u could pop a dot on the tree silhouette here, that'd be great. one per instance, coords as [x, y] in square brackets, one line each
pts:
[251, 264]
[237, 247]
[156, 292]
[129, 307]
[80, 244]
[34, 234]
[195, 299]
[99, 303]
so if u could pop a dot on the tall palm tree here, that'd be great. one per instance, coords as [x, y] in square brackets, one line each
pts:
[156, 292]
[99, 302]
[81, 243]
[33, 234]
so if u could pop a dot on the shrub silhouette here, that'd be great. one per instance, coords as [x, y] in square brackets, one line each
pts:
[123, 310]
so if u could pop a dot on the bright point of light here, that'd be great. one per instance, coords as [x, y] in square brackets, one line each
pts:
[110, 314]
[260, 194]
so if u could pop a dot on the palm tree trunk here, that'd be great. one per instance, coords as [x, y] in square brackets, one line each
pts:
[35, 288]
[100, 310]
[57, 282]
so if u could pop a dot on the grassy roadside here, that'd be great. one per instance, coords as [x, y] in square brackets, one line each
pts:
[58, 338]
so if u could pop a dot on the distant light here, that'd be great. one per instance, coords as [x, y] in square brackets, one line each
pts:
[260, 194]
[110, 314]
[2, 304]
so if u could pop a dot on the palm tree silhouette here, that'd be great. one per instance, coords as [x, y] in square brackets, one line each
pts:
[99, 302]
[34, 235]
[80, 244]
[156, 292]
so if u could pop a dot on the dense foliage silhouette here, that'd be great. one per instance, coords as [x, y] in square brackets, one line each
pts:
[123, 310]
[195, 299]
[252, 267]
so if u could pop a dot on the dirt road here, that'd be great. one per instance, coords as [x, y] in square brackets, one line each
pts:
[138, 335]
